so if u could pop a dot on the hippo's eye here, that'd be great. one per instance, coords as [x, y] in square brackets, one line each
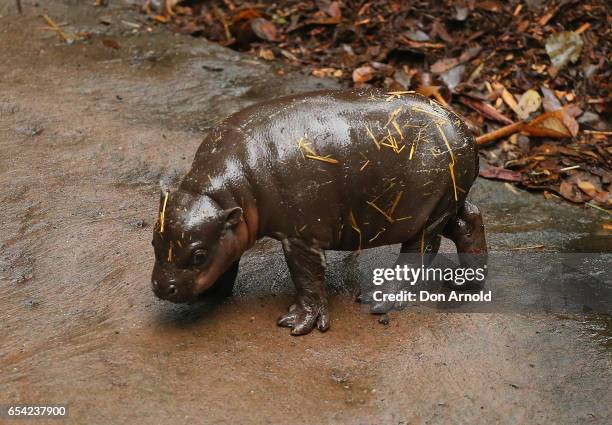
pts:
[199, 257]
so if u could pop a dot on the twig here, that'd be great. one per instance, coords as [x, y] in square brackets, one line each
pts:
[598, 133]
[54, 26]
[598, 208]
[521, 248]
[583, 28]
[499, 133]
[19, 8]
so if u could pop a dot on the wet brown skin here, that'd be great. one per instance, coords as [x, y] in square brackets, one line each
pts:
[326, 170]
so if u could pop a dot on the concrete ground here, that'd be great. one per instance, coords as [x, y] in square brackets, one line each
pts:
[87, 131]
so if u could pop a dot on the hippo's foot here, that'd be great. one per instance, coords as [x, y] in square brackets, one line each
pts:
[304, 315]
[383, 298]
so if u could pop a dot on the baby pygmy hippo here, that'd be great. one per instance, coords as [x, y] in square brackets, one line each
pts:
[327, 170]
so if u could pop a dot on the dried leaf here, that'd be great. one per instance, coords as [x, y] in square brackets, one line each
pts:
[110, 43]
[498, 173]
[570, 122]
[587, 187]
[548, 124]
[266, 54]
[510, 100]
[563, 47]
[363, 74]
[485, 109]
[445, 64]
[571, 193]
[333, 8]
[490, 5]
[530, 102]
[264, 29]
[550, 102]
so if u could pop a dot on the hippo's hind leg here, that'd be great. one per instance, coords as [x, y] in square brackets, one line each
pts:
[224, 286]
[415, 253]
[307, 267]
[467, 231]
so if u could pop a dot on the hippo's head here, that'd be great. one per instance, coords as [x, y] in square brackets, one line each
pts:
[195, 241]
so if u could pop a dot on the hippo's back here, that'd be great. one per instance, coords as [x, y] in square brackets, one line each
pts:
[336, 160]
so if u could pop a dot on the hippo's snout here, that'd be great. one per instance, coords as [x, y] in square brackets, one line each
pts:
[170, 288]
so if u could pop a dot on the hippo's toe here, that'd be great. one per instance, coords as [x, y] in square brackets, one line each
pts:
[304, 316]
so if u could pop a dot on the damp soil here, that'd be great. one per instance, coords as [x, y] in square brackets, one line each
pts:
[86, 133]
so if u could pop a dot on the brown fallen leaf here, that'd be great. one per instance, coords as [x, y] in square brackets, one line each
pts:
[571, 193]
[333, 9]
[498, 173]
[530, 102]
[363, 74]
[549, 124]
[550, 101]
[509, 99]
[327, 72]
[485, 109]
[420, 44]
[443, 65]
[264, 29]
[490, 6]
[110, 43]
[587, 187]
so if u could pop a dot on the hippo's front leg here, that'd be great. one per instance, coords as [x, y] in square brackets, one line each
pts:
[307, 267]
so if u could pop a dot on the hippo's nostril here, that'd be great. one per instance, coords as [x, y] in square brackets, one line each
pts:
[172, 289]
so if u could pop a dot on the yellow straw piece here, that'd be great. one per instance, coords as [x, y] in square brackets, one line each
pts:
[170, 253]
[422, 242]
[394, 114]
[377, 235]
[323, 159]
[377, 208]
[162, 215]
[411, 152]
[433, 114]
[395, 203]
[451, 165]
[398, 129]
[372, 136]
[408, 217]
[364, 165]
[303, 146]
[355, 227]
[312, 154]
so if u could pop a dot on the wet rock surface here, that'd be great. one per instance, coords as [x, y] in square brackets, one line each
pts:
[87, 132]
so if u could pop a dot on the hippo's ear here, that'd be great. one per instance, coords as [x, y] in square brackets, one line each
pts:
[231, 217]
